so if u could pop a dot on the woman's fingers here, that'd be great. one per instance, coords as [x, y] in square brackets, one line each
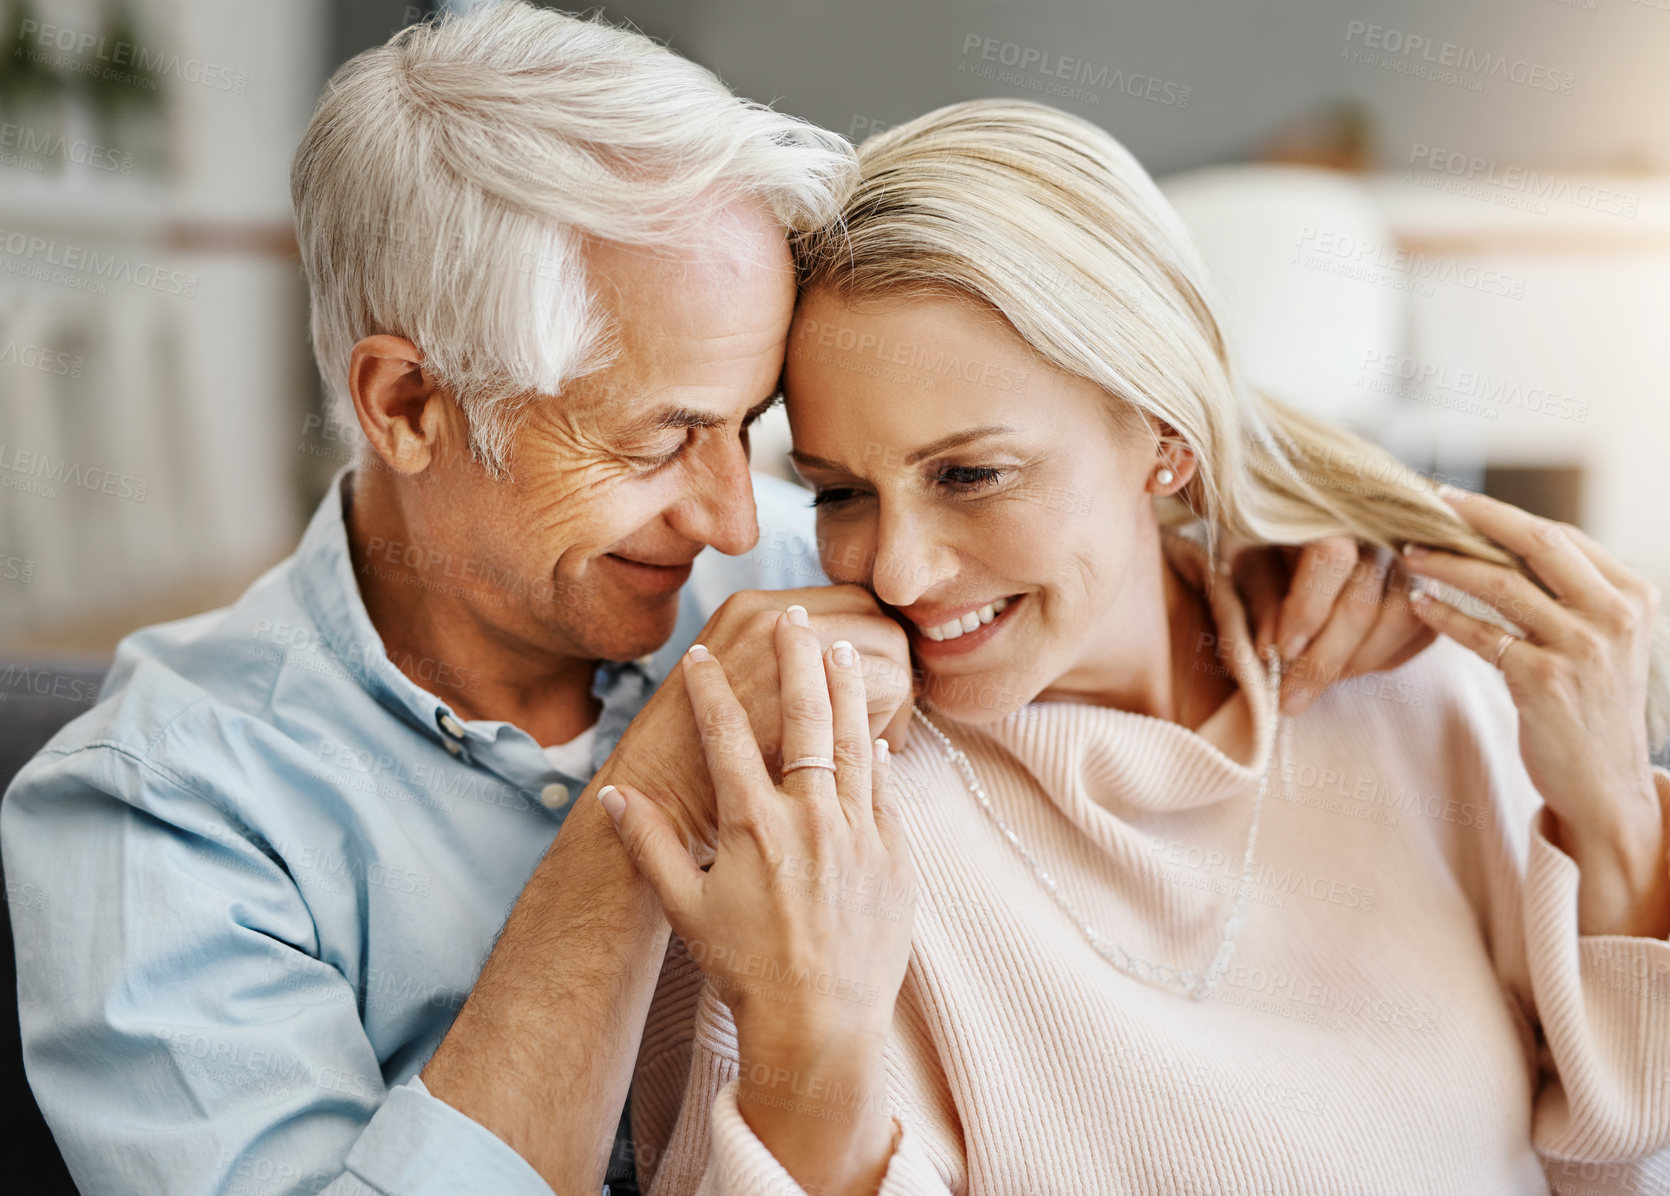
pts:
[728, 744]
[1261, 578]
[1398, 634]
[1350, 620]
[1541, 543]
[884, 804]
[851, 724]
[656, 851]
[1323, 569]
[808, 730]
[1507, 591]
[1479, 637]
[1628, 583]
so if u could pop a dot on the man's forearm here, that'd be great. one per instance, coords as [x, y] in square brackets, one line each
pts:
[542, 1052]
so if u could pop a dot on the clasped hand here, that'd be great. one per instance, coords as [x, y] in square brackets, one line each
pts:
[803, 919]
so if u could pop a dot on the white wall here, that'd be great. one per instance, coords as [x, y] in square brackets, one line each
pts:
[1250, 64]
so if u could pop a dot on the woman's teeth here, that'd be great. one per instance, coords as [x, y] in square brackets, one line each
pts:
[969, 622]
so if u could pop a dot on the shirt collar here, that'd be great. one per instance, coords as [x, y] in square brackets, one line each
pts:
[329, 590]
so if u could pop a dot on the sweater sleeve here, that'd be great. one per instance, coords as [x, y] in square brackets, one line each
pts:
[1602, 1113]
[708, 1148]
[1595, 1008]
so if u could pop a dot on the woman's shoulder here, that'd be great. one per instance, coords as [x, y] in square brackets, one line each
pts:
[1444, 721]
[1445, 686]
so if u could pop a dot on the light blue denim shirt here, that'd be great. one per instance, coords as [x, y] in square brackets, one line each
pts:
[265, 870]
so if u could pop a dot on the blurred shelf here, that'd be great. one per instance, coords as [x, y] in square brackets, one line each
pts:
[135, 213]
[1549, 212]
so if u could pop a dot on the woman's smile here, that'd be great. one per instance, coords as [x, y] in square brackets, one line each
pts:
[958, 634]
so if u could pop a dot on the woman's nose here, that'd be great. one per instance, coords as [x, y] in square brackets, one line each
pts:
[910, 560]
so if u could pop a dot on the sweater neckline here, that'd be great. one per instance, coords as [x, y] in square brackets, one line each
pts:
[1120, 759]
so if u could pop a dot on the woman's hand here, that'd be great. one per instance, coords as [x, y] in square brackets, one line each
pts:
[1334, 608]
[662, 751]
[1579, 679]
[803, 920]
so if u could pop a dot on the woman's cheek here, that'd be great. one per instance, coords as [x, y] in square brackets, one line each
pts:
[844, 551]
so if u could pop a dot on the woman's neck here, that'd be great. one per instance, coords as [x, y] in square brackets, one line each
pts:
[1200, 682]
[1159, 656]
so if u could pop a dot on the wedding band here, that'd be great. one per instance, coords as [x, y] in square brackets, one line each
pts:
[1507, 641]
[809, 762]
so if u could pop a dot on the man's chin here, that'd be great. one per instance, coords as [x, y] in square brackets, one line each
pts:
[637, 633]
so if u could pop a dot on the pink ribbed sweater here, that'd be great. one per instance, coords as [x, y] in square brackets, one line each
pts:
[1411, 1008]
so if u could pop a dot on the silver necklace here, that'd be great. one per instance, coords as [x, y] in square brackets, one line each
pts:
[1197, 984]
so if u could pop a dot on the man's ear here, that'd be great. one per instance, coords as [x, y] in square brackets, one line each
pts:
[405, 415]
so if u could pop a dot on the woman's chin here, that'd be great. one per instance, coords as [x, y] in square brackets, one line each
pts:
[975, 698]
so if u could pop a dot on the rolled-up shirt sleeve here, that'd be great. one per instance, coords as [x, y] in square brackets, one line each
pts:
[181, 1033]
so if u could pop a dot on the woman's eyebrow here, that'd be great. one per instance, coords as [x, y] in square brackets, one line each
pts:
[808, 461]
[928, 450]
[954, 440]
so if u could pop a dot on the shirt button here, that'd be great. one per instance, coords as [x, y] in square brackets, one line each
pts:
[455, 748]
[554, 796]
[452, 726]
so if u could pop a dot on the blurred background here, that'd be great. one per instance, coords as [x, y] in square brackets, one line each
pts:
[1447, 225]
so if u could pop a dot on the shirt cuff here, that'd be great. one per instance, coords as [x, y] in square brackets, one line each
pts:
[418, 1145]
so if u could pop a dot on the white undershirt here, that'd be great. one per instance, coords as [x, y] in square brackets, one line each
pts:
[574, 757]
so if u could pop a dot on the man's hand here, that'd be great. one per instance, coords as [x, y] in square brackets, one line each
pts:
[1334, 608]
[660, 754]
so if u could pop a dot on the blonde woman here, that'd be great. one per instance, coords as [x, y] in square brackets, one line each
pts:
[1118, 923]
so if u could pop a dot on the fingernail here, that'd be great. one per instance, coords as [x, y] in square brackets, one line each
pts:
[1413, 551]
[614, 805]
[842, 651]
[881, 750]
[1452, 493]
[1296, 701]
[698, 653]
[797, 616]
[1295, 644]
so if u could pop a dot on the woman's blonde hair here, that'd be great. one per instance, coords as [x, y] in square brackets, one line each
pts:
[1048, 220]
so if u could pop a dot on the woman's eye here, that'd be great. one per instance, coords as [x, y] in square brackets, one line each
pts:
[969, 477]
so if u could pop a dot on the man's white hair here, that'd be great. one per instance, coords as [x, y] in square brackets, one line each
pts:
[449, 180]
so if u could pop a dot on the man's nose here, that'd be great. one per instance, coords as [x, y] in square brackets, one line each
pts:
[721, 512]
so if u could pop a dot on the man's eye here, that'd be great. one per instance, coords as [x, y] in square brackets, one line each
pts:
[658, 461]
[753, 416]
[833, 497]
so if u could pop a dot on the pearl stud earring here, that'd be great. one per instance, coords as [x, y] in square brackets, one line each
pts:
[1164, 477]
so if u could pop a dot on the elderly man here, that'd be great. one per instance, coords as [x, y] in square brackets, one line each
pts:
[305, 925]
